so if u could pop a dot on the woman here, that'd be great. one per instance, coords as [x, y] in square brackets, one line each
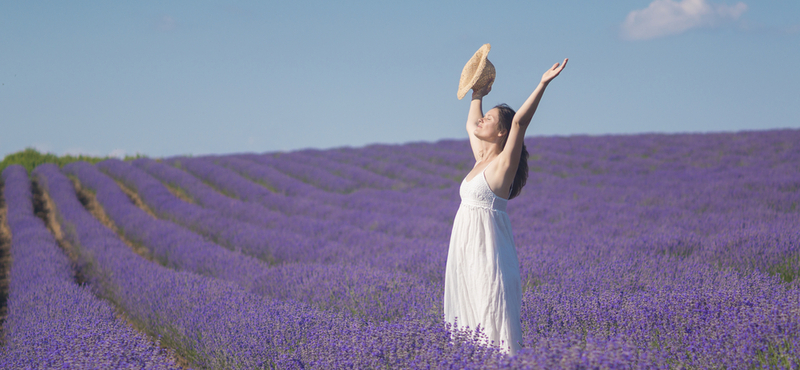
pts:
[482, 282]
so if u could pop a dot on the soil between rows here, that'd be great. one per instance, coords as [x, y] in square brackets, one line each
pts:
[43, 208]
[135, 199]
[90, 203]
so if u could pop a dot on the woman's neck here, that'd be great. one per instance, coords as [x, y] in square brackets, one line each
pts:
[488, 152]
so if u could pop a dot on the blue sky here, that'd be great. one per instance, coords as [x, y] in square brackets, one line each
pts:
[180, 77]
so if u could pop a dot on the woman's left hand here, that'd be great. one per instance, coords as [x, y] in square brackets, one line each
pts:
[553, 71]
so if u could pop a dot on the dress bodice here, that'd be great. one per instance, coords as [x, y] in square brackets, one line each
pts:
[476, 192]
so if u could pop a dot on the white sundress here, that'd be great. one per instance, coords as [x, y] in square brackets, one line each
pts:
[482, 282]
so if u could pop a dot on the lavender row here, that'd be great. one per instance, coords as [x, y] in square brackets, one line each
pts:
[451, 153]
[51, 320]
[167, 243]
[375, 190]
[361, 177]
[736, 215]
[416, 234]
[448, 155]
[418, 257]
[354, 289]
[390, 169]
[257, 212]
[643, 154]
[377, 200]
[268, 245]
[382, 203]
[310, 247]
[254, 213]
[238, 186]
[404, 157]
[217, 325]
[306, 172]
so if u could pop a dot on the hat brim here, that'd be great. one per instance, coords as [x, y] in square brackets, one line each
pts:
[478, 68]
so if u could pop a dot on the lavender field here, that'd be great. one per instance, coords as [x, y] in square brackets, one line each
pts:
[654, 251]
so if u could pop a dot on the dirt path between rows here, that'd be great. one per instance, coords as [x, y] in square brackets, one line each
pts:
[180, 193]
[5, 263]
[135, 199]
[89, 201]
[44, 208]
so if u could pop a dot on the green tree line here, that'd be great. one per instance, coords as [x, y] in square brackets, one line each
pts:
[30, 158]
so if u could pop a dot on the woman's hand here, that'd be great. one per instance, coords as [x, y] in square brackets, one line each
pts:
[482, 92]
[553, 71]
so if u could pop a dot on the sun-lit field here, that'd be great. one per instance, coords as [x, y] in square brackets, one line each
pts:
[643, 251]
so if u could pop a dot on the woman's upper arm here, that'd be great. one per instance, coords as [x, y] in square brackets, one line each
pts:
[474, 115]
[474, 142]
[507, 161]
[513, 148]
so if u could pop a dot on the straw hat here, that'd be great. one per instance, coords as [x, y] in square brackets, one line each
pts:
[477, 73]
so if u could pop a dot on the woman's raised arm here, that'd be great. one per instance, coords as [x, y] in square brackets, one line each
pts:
[509, 158]
[475, 114]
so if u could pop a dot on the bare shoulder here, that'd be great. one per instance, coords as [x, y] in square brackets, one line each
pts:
[499, 176]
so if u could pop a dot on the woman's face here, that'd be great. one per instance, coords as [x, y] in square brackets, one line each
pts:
[489, 128]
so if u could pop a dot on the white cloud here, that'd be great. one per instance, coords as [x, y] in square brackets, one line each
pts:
[669, 17]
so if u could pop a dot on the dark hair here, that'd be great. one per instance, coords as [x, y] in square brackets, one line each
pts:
[506, 116]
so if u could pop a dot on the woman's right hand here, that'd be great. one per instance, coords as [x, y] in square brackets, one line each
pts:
[482, 92]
